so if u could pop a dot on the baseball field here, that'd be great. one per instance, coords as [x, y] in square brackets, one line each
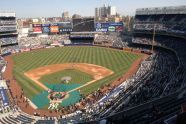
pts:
[87, 69]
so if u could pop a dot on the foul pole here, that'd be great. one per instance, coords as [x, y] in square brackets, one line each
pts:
[153, 39]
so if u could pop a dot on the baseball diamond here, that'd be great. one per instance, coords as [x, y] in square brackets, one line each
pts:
[41, 70]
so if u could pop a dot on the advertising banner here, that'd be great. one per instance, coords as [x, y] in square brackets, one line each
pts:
[45, 29]
[54, 29]
[65, 29]
[45, 25]
[116, 24]
[119, 28]
[35, 20]
[112, 28]
[109, 27]
[36, 25]
[101, 29]
[4, 96]
[54, 24]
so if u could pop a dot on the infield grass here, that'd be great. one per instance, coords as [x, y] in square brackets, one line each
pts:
[75, 75]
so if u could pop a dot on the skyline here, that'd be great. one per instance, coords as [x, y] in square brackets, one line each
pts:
[48, 8]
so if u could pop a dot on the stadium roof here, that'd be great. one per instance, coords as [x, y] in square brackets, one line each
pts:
[162, 10]
[7, 14]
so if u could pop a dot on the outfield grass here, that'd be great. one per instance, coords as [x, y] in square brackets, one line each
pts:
[76, 77]
[115, 60]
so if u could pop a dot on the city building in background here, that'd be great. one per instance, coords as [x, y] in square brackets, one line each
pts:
[107, 14]
[66, 16]
[112, 10]
[105, 11]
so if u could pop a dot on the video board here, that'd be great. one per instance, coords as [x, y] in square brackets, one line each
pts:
[45, 28]
[83, 24]
[54, 29]
[37, 30]
[109, 27]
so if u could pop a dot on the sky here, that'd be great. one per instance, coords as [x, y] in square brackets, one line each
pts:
[54, 8]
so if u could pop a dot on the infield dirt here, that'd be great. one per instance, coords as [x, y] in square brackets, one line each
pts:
[98, 72]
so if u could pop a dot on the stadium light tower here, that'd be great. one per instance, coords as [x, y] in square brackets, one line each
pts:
[153, 39]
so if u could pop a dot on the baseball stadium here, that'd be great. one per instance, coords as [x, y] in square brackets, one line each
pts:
[70, 70]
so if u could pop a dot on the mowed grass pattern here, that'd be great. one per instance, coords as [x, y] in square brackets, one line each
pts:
[75, 75]
[115, 60]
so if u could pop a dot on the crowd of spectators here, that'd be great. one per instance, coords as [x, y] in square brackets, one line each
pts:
[29, 43]
[104, 40]
[175, 44]
[5, 107]
[10, 49]
[8, 40]
[7, 22]
[113, 39]
[8, 28]
[37, 41]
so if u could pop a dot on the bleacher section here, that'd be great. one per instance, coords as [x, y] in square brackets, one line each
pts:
[111, 39]
[82, 38]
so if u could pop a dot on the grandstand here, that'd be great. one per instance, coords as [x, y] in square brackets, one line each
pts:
[165, 20]
[165, 81]
[8, 31]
